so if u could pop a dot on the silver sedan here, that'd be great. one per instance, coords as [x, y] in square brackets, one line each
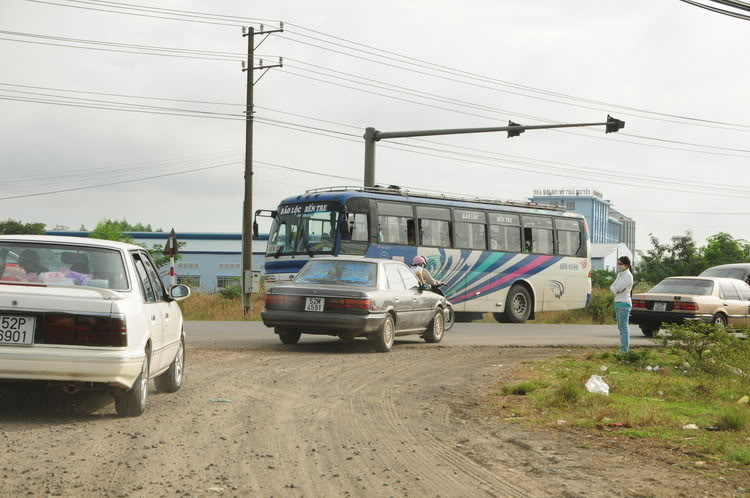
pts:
[353, 297]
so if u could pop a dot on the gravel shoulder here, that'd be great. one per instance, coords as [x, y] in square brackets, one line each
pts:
[321, 419]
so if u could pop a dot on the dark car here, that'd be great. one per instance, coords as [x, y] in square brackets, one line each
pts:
[353, 297]
[740, 271]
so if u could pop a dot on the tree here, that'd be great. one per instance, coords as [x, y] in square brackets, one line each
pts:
[722, 249]
[681, 257]
[13, 227]
[114, 230]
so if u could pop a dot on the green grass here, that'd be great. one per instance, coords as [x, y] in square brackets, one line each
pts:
[642, 404]
[521, 388]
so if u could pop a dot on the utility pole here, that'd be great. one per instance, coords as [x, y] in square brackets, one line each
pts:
[247, 204]
[514, 129]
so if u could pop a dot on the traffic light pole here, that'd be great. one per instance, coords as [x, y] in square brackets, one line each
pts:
[247, 204]
[372, 135]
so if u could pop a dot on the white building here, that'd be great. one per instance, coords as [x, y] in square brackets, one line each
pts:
[604, 256]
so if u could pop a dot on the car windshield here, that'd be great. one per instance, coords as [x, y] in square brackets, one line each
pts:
[304, 229]
[62, 265]
[691, 287]
[354, 273]
[738, 273]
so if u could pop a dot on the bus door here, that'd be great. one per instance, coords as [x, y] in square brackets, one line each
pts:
[574, 264]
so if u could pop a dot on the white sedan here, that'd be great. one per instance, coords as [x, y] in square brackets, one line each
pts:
[86, 313]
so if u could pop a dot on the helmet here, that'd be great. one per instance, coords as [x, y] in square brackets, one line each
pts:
[418, 261]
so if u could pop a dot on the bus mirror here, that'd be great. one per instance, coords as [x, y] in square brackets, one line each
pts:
[255, 229]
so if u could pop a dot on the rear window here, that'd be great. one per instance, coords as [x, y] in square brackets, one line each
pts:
[738, 273]
[691, 287]
[354, 273]
[62, 265]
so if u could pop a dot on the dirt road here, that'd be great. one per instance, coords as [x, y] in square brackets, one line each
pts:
[319, 419]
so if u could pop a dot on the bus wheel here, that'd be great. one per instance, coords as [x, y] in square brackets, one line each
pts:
[501, 317]
[518, 304]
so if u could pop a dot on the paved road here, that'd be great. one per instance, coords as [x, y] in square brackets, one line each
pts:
[254, 335]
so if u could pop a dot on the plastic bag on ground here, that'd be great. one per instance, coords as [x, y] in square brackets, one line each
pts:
[596, 384]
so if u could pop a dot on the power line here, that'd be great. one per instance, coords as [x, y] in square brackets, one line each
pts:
[379, 53]
[718, 10]
[116, 183]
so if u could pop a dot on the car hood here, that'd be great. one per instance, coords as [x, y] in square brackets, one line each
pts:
[74, 299]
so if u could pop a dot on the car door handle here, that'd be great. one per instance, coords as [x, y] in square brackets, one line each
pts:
[153, 318]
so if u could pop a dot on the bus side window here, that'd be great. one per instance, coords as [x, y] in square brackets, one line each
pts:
[569, 238]
[434, 233]
[538, 235]
[354, 234]
[396, 230]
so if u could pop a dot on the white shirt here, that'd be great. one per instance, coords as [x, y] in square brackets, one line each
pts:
[622, 286]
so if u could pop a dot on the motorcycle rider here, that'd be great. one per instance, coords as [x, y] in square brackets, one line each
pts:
[423, 275]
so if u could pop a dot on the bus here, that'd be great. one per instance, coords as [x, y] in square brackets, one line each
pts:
[511, 259]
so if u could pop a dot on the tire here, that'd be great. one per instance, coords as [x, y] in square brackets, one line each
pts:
[132, 403]
[436, 330]
[384, 337]
[288, 336]
[720, 319]
[450, 317]
[171, 380]
[649, 330]
[501, 317]
[518, 304]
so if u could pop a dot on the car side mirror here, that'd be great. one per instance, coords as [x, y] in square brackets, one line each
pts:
[179, 292]
[425, 287]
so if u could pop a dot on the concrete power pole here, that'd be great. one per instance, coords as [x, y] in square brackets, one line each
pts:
[247, 204]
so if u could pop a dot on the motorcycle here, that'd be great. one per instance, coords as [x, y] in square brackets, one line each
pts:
[450, 316]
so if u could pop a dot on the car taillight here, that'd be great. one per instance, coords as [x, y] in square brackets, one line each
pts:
[86, 330]
[335, 303]
[639, 303]
[679, 306]
[282, 301]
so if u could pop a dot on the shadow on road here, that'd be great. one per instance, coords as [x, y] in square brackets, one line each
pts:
[338, 346]
[32, 404]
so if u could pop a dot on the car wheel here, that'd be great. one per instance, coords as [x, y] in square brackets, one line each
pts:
[721, 320]
[518, 304]
[383, 338]
[288, 336]
[649, 330]
[132, 403]
[436, 330]
[171, 380]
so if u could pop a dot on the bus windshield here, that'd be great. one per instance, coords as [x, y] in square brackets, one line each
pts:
[304, 229]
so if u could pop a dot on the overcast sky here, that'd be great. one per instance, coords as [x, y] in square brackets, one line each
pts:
[680, 162]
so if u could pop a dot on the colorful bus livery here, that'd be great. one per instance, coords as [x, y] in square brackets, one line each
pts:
[510, 259]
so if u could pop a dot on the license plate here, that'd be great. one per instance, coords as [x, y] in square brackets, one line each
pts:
[660, 306]
[16, 330]
[314, 304]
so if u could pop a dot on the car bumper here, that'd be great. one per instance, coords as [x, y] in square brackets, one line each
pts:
[658, 317]
[114, 367]
[323, 323]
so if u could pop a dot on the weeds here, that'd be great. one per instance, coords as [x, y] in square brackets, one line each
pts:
[521, 388]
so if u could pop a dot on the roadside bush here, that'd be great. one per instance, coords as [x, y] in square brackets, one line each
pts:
[706, 347]
[602, 278]
[602, 307]
[520, 389]
[733, 419]
[231, 292]
[567, 392]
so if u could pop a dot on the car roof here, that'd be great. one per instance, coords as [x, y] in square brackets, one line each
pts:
[79, 241]
[712, 279]
[731, 265]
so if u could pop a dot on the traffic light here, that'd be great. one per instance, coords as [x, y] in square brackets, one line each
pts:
[515, 133]
[613, 125]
